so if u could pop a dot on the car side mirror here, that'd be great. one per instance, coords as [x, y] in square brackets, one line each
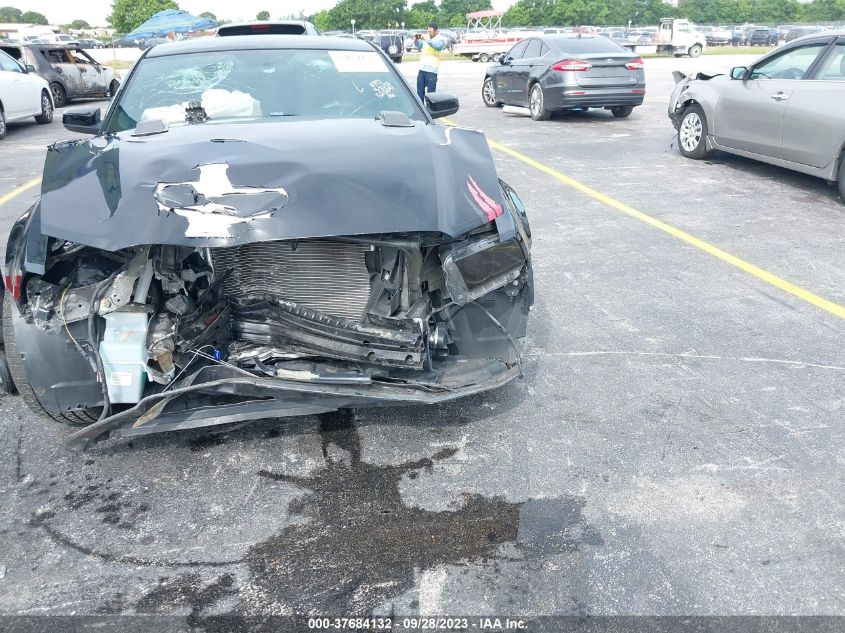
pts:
[505, 61]
[738, 72]
[84, 119]
[30, 68]
[440, 105]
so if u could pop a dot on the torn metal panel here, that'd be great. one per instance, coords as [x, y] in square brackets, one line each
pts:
[348, 182]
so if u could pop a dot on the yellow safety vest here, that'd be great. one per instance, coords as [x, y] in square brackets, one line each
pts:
[429, 56]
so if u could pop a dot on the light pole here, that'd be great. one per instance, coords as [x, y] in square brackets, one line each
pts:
[353, 26]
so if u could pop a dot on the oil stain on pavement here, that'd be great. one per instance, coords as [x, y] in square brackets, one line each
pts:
[359, 546]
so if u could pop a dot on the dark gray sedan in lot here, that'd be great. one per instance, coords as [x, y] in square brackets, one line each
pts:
[555, 73]
[785, 109]
[263, 227]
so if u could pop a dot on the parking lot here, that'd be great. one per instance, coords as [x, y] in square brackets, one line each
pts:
[675, 447]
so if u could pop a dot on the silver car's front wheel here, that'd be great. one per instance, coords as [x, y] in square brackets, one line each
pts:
[488, 93]
[692, 133]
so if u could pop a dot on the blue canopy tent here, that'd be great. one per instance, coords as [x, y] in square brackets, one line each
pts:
[170, 21]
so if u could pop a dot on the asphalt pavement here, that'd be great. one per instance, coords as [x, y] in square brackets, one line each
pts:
[675, 448]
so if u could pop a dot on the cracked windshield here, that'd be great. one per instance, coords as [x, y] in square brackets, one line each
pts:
[255, 84]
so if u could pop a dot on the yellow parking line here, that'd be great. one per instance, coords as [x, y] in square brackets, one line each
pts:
[12, 194]
[715, 251]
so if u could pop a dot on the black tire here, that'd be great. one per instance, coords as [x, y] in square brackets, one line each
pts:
[842, 177]
[59, 95]
[537, 104]
[488, 94]
[484, 58]
[695, 50]
[115, 84]
[2, 122]
[46, 115]
[21, 382]
[692, 133]
[7, 384]
[622, 112]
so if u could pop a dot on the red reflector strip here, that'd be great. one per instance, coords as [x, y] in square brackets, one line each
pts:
[13, 285]
[638, 91]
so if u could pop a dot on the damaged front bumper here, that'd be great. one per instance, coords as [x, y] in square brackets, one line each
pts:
[162, 337]
[222, 395]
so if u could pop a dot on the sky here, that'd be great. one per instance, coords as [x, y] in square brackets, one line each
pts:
[95, 11]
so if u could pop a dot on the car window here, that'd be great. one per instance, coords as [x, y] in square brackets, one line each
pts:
[590, 44]
[533, 49]
[56, 55]
[833, 68]
[544, 50]
[9, 64]
[517, 51]
[12, 51]
[81, 57]
[792, 64]
[267, 84]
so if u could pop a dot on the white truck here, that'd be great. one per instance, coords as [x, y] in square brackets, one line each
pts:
[680, 37]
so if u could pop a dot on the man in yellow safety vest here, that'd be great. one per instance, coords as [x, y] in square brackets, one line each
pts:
[430, 46]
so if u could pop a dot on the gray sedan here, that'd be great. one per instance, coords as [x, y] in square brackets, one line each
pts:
[786, 109]
[566, 72]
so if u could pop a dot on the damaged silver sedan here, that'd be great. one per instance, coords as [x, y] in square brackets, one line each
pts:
[263, 229]
[785, 109]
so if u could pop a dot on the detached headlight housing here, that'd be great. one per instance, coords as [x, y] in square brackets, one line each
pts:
[480, 266]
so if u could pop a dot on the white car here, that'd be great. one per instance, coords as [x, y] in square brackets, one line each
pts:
[23, 94]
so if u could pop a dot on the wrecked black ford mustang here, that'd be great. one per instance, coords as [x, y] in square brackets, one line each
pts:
[262, 229]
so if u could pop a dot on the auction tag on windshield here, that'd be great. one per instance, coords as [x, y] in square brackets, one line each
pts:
[358, 62]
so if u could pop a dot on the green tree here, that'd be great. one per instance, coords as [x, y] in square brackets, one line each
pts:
[368, 14]
[421, 14]
[209, 15]
[33, 17]
[128, 14]
[262, 15]
[78, 25]
[10, 14]
[321, 20]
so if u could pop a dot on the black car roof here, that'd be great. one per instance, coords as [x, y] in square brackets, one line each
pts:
[251, 42]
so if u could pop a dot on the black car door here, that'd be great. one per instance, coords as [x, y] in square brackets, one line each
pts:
[527, 67]
[505, 77]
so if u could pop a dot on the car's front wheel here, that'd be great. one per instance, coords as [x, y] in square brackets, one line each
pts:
[46, 115]
[488, 93]
[537, 105]
[842, 178]
[694, 51]
[20, 381]
[2, 123]
[622, 112]
[692, 133]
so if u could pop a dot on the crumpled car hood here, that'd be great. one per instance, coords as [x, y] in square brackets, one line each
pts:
[222, 184]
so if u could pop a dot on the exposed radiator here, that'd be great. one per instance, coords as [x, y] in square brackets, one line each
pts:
[328, 276]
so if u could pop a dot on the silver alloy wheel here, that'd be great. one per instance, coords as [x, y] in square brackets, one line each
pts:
[46, 107]
[2, 124]
[536, 100]
[690, 132]
[489, 92]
